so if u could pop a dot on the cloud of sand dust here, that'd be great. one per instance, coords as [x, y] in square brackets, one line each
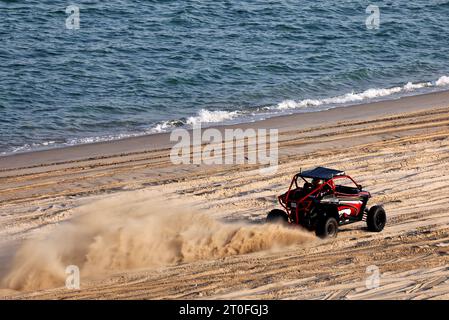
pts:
[131, 232]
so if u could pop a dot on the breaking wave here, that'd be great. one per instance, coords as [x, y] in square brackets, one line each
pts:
[350, 97]
[207, 117]
[442, 81]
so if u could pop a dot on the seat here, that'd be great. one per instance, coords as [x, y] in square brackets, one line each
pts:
[346, 190]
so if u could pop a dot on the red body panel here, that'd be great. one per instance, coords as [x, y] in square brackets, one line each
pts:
[348, 205]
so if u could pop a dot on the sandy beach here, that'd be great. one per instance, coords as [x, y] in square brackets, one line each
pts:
[135, 223]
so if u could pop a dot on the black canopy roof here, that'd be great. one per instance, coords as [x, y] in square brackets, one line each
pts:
[321, 173]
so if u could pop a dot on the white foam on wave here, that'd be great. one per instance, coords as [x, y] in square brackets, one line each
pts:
[161, 127]
[28, 147]
[442, 81]
[206, 116]
[350, 97]
[203, 116]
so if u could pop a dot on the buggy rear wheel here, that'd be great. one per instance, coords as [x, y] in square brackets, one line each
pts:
[277, 216]
[327, 228]
[376, 219]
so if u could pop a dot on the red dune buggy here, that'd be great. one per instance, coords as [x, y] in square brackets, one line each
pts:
[328, 198]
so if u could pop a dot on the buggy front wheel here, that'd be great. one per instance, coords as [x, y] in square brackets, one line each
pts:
[376, 219]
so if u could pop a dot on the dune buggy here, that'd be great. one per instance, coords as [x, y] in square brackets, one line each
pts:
[327, 199]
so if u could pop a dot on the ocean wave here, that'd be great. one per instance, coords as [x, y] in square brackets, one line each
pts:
[167, 125]
[351, 97]
[442, 81]
[203, 116]
[30, 146]
[206, 117]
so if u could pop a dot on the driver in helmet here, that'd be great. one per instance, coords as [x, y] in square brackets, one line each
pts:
[316, 182]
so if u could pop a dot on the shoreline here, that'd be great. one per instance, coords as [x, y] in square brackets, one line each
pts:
[159, 141]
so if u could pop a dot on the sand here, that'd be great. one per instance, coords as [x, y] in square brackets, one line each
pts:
[100, 206]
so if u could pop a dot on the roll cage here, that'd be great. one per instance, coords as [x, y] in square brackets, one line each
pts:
[306, 200]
